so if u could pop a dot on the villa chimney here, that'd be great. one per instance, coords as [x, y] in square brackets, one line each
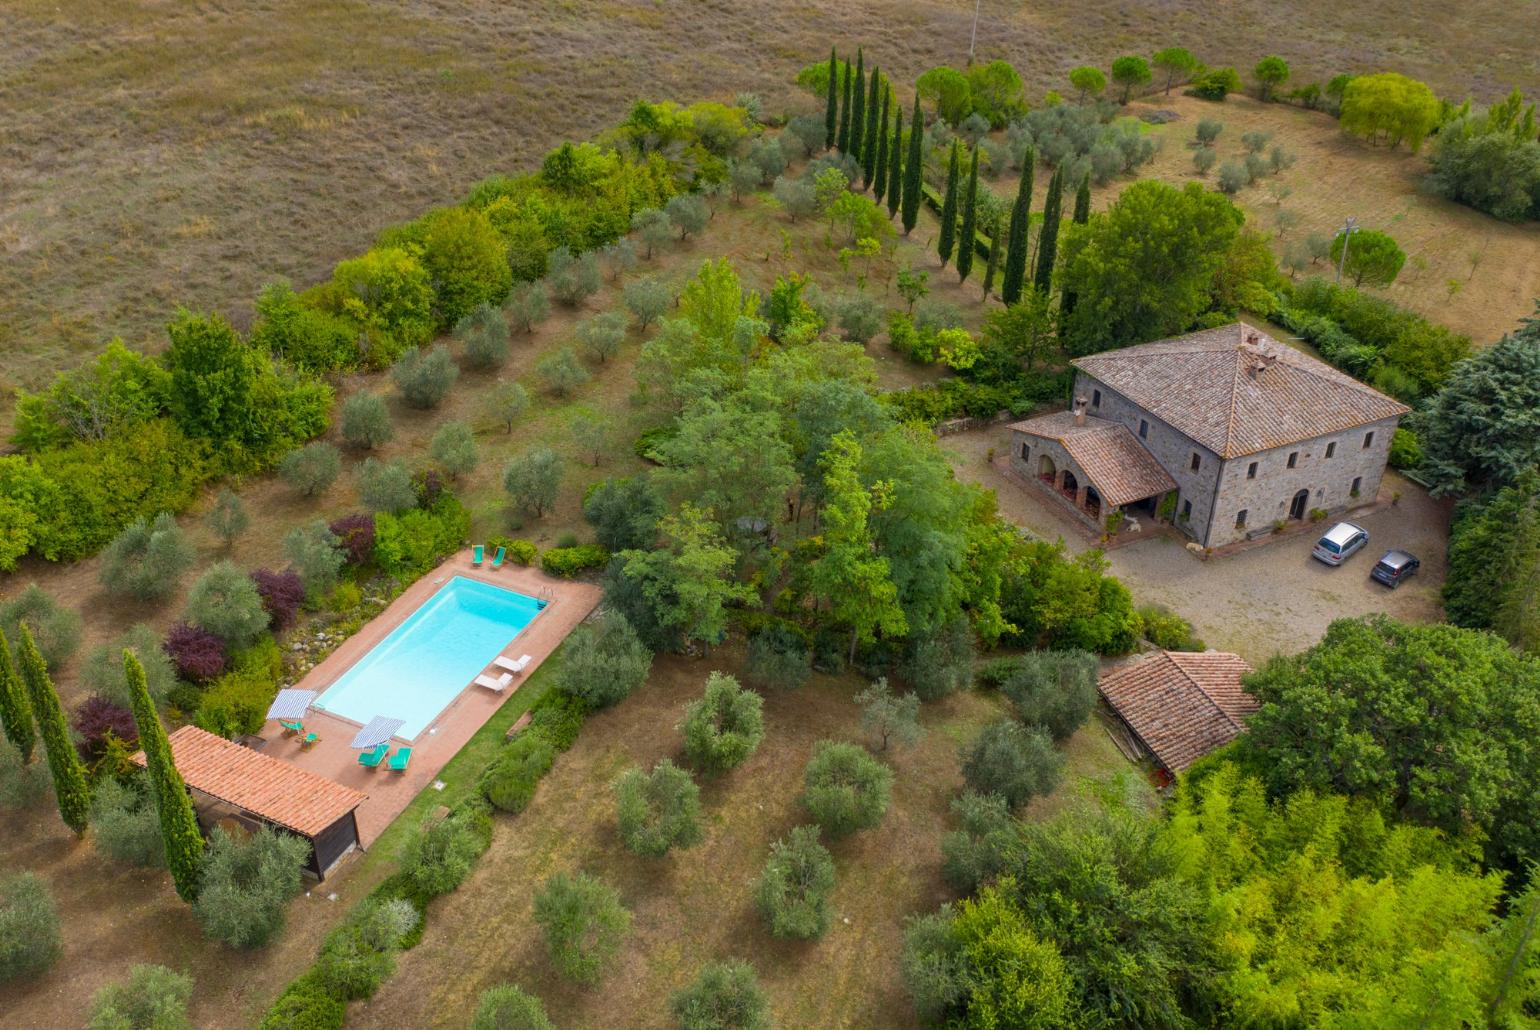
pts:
[1079, 411]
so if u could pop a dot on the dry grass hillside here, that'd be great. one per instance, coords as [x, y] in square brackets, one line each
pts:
[155, 153]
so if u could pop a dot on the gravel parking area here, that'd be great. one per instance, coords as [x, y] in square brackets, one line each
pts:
[1271, 599]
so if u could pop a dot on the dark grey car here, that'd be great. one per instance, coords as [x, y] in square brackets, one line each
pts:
[1395, 568]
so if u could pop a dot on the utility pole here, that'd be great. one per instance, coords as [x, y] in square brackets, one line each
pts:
[973, 40]
[1347, 237]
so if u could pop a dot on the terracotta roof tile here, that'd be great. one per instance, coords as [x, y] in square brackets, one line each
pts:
[268, 788]
[1116, 463]
[1208, 386]
[1180, 704]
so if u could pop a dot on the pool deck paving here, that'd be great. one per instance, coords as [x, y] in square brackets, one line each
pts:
[390, 792]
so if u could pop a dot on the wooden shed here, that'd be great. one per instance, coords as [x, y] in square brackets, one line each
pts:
[229, 781]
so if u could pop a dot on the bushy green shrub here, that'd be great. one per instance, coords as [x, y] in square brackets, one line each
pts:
[311, 469]
[440, 855]
[725, 996]
[388, 295]
[55, 629]
[567, 562]
[506, 1007]
[509, 782]
[1405, 449]
[146, 561]
[409, 544]
[976, 852]
[236, 704]
[658, 811]
[779, 656]
[1053, 689]
[625, 512]
[225, 602]
[941, 662]
[1166, 629]
[29, 927]
[22, 785]
[246, 885]
[309, 338]
[845, 789]
[724, 727]
[366, 421]
[603, 661]
[316, 554]
[584, 924]
[152, 998]
[125, 824]
[306, 1005]
[360, 954]
[103, 670]
[558, 717]
[1013, 761]
[793, 890]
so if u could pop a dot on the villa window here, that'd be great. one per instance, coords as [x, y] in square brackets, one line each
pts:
[1240, 519]
[1196, 461]
[1331, 449]
[1358, 482]
[1293, 458]
[1186, 510]
[1144, 429]
[1026, 452]
[1096, 398]
[1251, 471]
[1368, 440]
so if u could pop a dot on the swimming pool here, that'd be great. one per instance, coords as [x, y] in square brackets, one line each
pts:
[426, 661]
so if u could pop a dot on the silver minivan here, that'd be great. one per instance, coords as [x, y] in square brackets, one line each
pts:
[1340, 543]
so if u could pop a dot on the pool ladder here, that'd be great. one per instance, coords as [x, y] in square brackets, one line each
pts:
[545, 596]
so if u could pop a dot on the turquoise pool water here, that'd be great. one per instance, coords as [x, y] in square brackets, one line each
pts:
[427, 660]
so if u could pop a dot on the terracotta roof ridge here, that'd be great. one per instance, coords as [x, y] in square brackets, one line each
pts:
[1190, 678]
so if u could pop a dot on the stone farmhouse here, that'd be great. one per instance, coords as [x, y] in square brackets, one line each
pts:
[1224, 432]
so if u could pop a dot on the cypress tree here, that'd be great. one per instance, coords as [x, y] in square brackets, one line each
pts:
[949, 211]
[967, 243]
[874, 131]
[896, 162]
[1082, 216]
[858, 107]
[1015, 271]
[1083, 201]
[15, 709]
[880, 180]
[69, 776]
[994, 263]
[914, 166]
[831, 113]
[1048, 239]
[178, 825]
[843, 140]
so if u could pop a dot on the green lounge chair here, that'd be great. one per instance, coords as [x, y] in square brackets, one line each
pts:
[291, 728]
[399, 761]
[476, 555]
[497, 559]
[372, 758]
[308, 740]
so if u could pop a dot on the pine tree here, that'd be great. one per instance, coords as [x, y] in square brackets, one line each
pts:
[896, 163]
[15, 709]
[1015, 272]
[69, 776]
[1082, 216]
[994, 263]
[843, 141]
[949, 211]
[858, 108]
[880, 179]
[967, 244]
[178, 824]
[1048, 238]
[874, 131]
[831, 114]
[914, 167]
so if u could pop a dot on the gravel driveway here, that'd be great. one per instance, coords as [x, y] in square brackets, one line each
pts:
[1268, 600]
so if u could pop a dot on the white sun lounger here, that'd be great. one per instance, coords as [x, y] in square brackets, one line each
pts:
[499, 684]
[511, 665]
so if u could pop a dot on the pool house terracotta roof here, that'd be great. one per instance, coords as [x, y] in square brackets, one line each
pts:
[1237, 391]
[1116, 463]
[1181, 704]
[268, 788]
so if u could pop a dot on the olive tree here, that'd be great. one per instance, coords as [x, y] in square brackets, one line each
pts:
[366, 421]
[152, 998]
[647, 299]
[425, 378]
[506, 1007]
[725, 996]
[227, 518]
[601, 337]
[603, 661]
[311, 469]
[484, 335]
[246, 885]
[531, 480]
[1008, 759]
[584, 924]
[386, 486]
[562, 372]
[793, 890]
[688, 212]
[29, 927]
[724, 726]
[225, 602]
[887, 717]
[527, 306]
[845, 789]
[453, 449]
[147, 560]
[573, 277]
[316, 554]
[658, 811]
[505, 403]
[654, 227]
